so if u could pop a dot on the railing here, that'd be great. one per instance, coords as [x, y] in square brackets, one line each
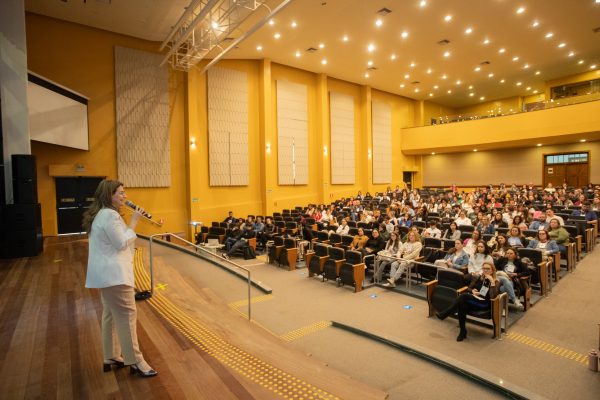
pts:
[201, 249]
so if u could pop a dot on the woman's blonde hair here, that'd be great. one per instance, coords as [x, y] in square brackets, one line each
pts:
[493, 269]
[102, 199]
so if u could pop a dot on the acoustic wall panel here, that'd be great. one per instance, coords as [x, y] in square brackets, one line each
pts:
[142, 112]
[292, 133]
[228, 127]
[381, 119]
[341, 111]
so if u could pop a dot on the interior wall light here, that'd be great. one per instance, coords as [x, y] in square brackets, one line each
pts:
[268, 148]
[193, 143]
[369, 154]
[325, 150]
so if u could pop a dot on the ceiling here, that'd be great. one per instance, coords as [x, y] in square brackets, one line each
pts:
[473, 71]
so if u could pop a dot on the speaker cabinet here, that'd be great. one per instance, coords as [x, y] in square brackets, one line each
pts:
[23, 167]
[21, 234]
[25, 191]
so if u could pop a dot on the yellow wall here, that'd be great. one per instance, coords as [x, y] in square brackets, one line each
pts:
[505, 106]
[81, 58]
[434, 110]
[585, 76]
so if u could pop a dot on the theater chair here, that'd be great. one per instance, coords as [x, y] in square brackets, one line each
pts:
[435, 243]
[543, 268]
[315, 260]
[352, 271]
[346, 241]
[331, 269]
[215, 233]
[335, 239]
[275, 249]
[287, 254]
[442, 292]
[322, 237]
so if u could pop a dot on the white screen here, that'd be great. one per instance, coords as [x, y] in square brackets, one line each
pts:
[55, 118]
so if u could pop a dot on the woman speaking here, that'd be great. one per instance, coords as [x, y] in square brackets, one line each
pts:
[110, 269]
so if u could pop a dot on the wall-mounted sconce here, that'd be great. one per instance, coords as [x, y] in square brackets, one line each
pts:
[369, 154]
[268, 148]
[193, 143]
[325, 150]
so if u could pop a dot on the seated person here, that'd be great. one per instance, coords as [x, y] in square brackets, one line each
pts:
[452, 233]
[539, 221]
[233, 236]
[512, 269]
[499, 245]
[386, 256]
[462, 219]
[241, 239]
[258, 225]
[589, 214]
[518, 222]
[455, 258]
[230, 219]
[471, 243]
[498, 222]
[374, 245]
[360, 240]
[480, 257]
[543, 242]
[516, 238]
[433, 230]
[482, 289]
[343, 228]
[550, 215]
[485, 227]
[408, 252]
[267, 232]
[559, 235]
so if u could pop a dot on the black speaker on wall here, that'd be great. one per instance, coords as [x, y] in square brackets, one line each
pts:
[21, 234]
[24, 176]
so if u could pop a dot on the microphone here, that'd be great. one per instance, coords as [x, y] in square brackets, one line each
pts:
[131, 204]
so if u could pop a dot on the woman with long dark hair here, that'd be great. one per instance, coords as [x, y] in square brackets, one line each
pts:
[110, 269]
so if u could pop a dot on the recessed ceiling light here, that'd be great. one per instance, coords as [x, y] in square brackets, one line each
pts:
[444, 76]
[482, 98]
[412, 64]
[528, 88]
[404, 34]
[470, 86]
[475, 150]
[379, 22]
[430, 94]
[580, 62]
[321, 45]
[458, 82]
[370, 47]
[468, 31]
[560, 46]
[259, 47]
[345, 38]
[433, 153]
[423, 3]
[519, 83]
[502, 81]
[571, 53]
[477, 69]
[537, 72]
[406, 76]
[502, 50]
[471, 94]
[294, 24]
[277, 35]
[520, 10]
[402, 85]
[324, 61]
[535, 91]
[435, 86]
[593, 66]
[549, 35]
[297, 54]
[366, 74]
[490, 75]
[582, 140]
[369, 63]
[515, 58]
[416, 90]
[539, 145]
[486, 41]
[429, 71]
[214, 24]
[535, 24]
[448, 18]
[526, 66]
[271, 22]
[393, 56]
[449, 91]
[447, 54]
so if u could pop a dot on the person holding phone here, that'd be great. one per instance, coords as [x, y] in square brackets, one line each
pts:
[481, 290]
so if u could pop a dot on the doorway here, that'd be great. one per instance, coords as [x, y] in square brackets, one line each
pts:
[572, 168]
[73, 197]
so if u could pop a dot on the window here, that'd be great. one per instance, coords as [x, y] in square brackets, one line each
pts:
[567, 158]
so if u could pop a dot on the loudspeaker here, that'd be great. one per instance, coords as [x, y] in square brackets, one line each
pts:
[21, 230]
[25, 191]
[23, 167]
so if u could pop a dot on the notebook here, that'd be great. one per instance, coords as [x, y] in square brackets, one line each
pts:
[212, 242]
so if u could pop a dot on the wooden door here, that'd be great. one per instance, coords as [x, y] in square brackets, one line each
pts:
[555, 174]
[577, 175]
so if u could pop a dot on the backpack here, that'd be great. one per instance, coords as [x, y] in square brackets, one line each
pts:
[249, 253]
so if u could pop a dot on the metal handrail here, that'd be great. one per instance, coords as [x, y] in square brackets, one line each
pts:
[202, 249]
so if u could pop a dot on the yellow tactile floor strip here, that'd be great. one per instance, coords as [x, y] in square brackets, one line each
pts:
[258, 371]
[547, 347]
[253, 300]
[305, 330]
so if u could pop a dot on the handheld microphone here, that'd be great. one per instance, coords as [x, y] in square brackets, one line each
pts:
[131, 204]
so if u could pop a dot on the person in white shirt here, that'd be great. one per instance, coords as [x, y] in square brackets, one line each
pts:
[343, 228]
[550, 215]
[462, 219]
[408, 252]
[433, 230]
[110, 269]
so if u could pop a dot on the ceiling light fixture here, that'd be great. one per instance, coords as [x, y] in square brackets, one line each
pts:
[447, 54]
[490, 75]
[537, 72]
[378, 22]
[277, 35]
[549, 35]
[471, 94]
[502, 50]
[458, 82]
[520, 10]
[345, 38]
[593, 66]
[297, 54]
[393, 56]
[535, 91]
[433, 153]
[539, 145]
[468, 31]
[416, 90]
[412, 64]
[406, 76]
[526, 66]
[324, 61]
[369, 63]
[448, 18]
[444, 76]
[486, 41]
[482, 98]
[436, 87]
[470, 86]
[475, 150]
[366, 74]
[271, 22]
[371, 47]
[321, 45]
[477, 69]
[502, 81]
[294, 24]
[560, 46]
[259, 47]
[535, 24]
[582, 140]
[404, 35]
[515, 58]
[402, 85]
[571, 53]
[430, 94]
[528, 88]
[449, 91]
[519, 83]
[429, 71]
[423, 3]
[580, 62]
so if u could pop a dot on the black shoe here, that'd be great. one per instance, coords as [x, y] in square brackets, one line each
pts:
[133, 369]
[461, 336]
[108, 364]
[440, 315]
